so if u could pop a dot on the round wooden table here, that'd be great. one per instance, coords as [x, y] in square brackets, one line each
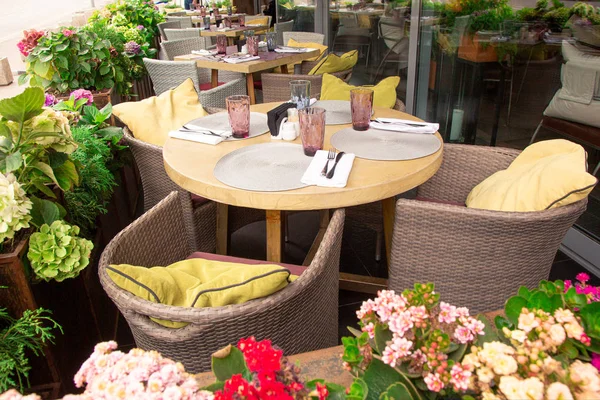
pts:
[190, 165]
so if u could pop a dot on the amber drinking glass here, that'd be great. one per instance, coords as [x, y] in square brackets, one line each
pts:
[221, 44]
[252, 42]
[312, 129]
[238, 108]
[202, 11]
[361, 105]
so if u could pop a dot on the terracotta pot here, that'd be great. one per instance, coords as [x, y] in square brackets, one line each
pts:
[101, 98]
[471, 48]
[17, 296]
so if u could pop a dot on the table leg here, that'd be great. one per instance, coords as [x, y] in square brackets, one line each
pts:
[284, 69]
[214, 78]
[230, 41]
[250, 87]
[389, 215]
[222, 231]
[274, 235]
[323, 224]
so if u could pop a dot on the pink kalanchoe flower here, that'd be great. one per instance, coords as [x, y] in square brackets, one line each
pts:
[433, 382]
[401, 322]
[82, 93]
[68, 32]
[447, 313]
[596, 360]
[582, 277]
[463, 334]
[568, 284]
[396, 351]
[460, 377]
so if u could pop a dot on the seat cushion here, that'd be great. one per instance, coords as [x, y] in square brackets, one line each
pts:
[262, 21]
[197, 201]
[311, 45]
[200, 282]
[547, 174]
[587, 134]
[208, 85]
[334, 63]
[296, 270]
[384, 92]
[151, 119]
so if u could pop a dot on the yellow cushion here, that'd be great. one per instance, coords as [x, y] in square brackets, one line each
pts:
[384, 92]
[151, 119]
[545, 175]
[199, 283]
[258, 21]
[321, 47]
[333, 63]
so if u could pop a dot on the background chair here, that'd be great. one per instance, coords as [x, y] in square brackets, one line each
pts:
[174, 48]
[166, 234]
[350, 35]
[476, 258]
[166, 75]
[282, 27]
[391, 31]
[167, 25]
[189, 33]
[250, 18]
[186, 22]
[276, 87]
[178, 14]
[303, 37]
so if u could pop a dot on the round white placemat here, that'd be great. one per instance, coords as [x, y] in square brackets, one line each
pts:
[337, 112]
[375, 144]
[220, 121]
[265, 167]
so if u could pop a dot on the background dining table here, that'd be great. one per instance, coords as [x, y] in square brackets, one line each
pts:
[191, 165]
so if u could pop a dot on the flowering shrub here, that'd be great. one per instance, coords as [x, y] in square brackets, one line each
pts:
[529, 368]
[57, 253]
[82, 94]
[421, 339]
[29, 41]
[15, 207]
[592, 293]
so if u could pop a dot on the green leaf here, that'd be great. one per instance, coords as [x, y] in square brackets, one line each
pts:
[213, 387]
[24, 106]
[513, 307]
[379, 377]
[105, 69]
[39, 185]
[61, 62]
[56, 159]
[590, 314]
[382, 336]
[42, 69]
[352, 330]
[524, 292]
[358, 389]
[489, 333]
[62, 46]
[575, 299]
[397, 391]
[43, 212]
[459, 353]
[569, 349]
[540, 301]
[66, 175]
[46, 169]
[13, 161]
[227, 362]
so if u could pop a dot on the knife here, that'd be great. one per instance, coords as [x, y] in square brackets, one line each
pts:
[415, 124]
[337, 160]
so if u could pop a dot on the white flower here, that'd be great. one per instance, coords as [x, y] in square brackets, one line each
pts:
[528, 321]
[489, 396]
[472, 360]
[518, 335]
[558, 391]
[574, 330]
[586, 375]
[491, 350]
[557, 334]
[511, 388]
[15, 207]
[564, 316]
[533, 389]
[504, 365]
[485, 375]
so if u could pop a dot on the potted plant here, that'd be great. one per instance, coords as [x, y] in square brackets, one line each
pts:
[484, 25]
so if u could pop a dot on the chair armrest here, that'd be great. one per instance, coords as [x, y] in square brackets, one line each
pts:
[464, 167]
[215, 97]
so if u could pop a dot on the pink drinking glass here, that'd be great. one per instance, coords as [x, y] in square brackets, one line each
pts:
[227, 22]
[312, 129]
[361, 105]
[238, 108]
[242, 20]
[252, 42]
[221, 44]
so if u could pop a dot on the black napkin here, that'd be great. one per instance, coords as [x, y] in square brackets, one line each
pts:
[276, 115]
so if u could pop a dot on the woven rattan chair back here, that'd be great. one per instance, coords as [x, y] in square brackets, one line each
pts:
[304, 37]
[186, 22]
[276, 87]
[282, 27]
[174, 48]
[178, 34]
[166, 75]
[178, 14]
[476, 258]
[250, 18]
[168, 25]
[166, 234]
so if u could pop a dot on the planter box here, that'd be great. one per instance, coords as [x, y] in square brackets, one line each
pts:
[471, 48]
[101, 98]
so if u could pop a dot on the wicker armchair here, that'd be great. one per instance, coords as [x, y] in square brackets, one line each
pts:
[178, 14]
[476, 258]
[186, 22]
[250, 18]
[167, 25]
[166, 234]
[189, 33]
[282, 27]
[166, 75]
[304, 37]
[174, 48]
[276, 87]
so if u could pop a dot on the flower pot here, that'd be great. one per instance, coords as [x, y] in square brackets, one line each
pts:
[16, 297]
[101, 98]
[473, 49]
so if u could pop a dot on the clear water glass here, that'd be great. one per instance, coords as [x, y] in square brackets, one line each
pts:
[229, 10]
[300, 93]
[271, 41]
[361, 105]
[252, 43]
[206, 22]
[312, 129]
[238, 108]
[221, 44]
[242, 19]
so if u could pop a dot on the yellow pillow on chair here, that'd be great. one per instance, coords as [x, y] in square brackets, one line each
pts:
[151, 119]
[334, 63]
[384, 92]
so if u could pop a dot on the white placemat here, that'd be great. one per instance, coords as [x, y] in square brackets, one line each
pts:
[337, 112]
[220, 121]
[265, 167]
[375, 144]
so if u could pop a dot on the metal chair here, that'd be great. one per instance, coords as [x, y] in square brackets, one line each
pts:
[282, 27]
[350, 34]
[456, 247]
[167, 25]
[303, 37]
[391, 31]
[186, 22]
[167, 234]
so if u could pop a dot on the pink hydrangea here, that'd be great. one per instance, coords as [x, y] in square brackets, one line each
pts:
[68, 32]
[50, 100]
[83, 94]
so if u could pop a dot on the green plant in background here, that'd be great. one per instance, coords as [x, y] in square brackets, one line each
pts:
[19, 339]
[492, 19]
[137, 13]
[56, 252]
[172, 6]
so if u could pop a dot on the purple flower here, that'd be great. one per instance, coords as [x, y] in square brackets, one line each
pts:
[596, 361]
[50, 100]
[141, 27]
[132, 48]
[83, 94]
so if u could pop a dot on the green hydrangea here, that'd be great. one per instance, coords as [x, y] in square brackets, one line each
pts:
[48, 121]
[119, 19]
[56, 252]
[15, 207]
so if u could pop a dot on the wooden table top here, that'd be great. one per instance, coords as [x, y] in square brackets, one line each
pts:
[190, 165]
[268, 60]
[237, 31]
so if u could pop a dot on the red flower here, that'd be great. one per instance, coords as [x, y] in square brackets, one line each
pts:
[237, 387]
[322, 391]
[270, 388]
[295, 387]
[260, 357]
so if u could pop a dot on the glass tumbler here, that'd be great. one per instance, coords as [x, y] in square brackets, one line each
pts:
[216, 11]
[242, 19]
[229, 10]
[221, 44]
[227, 22]
[300, 93]
[312, 129]
[207, 23]
[202, 11]
[252, 42]
[271, 41]
[238, 108]
[361, 105]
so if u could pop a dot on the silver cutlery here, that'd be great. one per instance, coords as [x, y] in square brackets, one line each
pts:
[203, 131]
[337, 160]
[330, 156]
[415, 124]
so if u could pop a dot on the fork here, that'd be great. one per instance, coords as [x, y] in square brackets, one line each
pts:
[330, 156]
[202, 131]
